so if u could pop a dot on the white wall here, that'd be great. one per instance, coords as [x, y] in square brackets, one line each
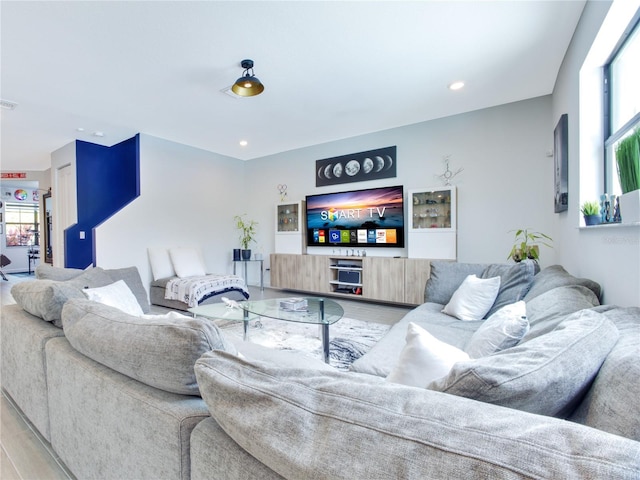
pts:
[63, 197]
[188, 198]
[507, 181]
[611, 254]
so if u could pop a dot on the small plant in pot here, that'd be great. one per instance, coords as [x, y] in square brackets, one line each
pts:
[591, 212]
[527, 245]
[628, 163]
[247, 232]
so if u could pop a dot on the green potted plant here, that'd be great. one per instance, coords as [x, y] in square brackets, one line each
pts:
[526, 244]
[591, 212]
[247, 232]
[628, 163]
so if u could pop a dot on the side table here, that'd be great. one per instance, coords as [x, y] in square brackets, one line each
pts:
[245, 262]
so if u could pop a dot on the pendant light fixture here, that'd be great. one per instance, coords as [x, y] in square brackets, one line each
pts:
[248, 85]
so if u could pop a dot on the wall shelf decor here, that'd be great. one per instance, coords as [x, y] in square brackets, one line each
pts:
[432, 223]
[357, 167]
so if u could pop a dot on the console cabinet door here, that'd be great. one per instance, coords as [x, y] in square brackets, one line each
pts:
[383, 279]
[313, 272]
[284, 270]
[416, 274]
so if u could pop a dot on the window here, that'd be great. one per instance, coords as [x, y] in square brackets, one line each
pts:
[622, 100]
[21, 224]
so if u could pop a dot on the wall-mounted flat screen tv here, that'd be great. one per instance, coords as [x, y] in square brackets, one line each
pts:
[357, 218]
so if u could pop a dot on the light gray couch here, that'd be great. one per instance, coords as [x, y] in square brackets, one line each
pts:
[112, 409]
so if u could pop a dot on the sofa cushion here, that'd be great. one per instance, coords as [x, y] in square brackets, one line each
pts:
[424, 358]
[550, 308]
[473, 298]
[158, 350]
[446, 277]
[502, 330]
[612, 403]
[117, 295]
[515, 282]
[556, 276]
[548, 375]
[45, 298]
[333, 425]
[381, 359]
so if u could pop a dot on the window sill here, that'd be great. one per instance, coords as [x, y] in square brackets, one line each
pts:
[609, 225]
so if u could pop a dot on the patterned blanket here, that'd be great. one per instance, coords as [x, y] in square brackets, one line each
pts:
[192, 290]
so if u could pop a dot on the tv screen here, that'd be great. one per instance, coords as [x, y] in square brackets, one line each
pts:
[357, 218]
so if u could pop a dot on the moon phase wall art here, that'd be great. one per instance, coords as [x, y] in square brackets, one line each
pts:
[357, 167]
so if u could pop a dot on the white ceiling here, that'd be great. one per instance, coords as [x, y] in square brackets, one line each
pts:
[331, 69]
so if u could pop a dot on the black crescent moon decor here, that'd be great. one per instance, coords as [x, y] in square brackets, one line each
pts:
[357, 167]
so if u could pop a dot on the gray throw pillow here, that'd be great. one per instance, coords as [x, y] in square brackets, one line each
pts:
[131, 277]
[45, 298]
[446, 277]
[515, 281]
[158, 350]
[548, 375]
[556, 276]
[502, 330]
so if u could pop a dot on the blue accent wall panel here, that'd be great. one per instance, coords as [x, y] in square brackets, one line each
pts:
[108, 179]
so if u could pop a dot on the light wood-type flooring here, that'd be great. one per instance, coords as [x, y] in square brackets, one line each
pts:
[25, 455]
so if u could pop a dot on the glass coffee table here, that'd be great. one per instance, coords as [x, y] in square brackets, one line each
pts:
[320, 311]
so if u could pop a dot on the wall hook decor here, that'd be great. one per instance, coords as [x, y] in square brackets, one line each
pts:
[448, 175]
[282, 188]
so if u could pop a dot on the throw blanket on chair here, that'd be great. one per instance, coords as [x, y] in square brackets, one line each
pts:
[192, 290]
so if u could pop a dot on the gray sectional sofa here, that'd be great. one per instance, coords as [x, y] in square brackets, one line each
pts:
[117, 395]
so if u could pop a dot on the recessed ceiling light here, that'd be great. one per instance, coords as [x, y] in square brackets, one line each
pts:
[243, 143]
[456, 85]
[98, 134]
[79, 129]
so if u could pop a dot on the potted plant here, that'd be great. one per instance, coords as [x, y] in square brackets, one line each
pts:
[247, 232]
[591, 212]
[628, 163]
[526, 244]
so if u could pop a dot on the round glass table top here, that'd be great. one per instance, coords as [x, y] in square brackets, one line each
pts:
[296, 309]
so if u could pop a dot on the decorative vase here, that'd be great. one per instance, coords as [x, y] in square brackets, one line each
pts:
[246, 254]
[592, 220]
[630, 207]
[236, 254]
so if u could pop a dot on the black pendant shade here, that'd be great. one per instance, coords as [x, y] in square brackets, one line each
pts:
[248, 85]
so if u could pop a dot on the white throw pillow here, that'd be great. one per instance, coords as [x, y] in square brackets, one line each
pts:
[117, 295]
[187, 262]
[504, 329]
[474, 298]
[166, 316]
[160, 261]
[424, 358]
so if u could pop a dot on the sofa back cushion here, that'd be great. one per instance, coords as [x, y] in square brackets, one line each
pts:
[329, 425]
[612, 403]
[548, 375]
[44, 271]
[547, 310]
[556, 276]
[45, 298]
[158, 350]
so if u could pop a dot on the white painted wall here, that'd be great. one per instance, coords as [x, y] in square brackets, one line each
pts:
[610, 255]
[188, 198]
[507, 181]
